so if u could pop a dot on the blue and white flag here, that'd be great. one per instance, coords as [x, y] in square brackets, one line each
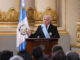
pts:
[22, 28]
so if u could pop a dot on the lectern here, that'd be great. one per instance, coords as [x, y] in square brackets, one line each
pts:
[45, 43]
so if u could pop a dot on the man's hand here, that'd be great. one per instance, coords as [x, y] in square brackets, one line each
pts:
[28, 32]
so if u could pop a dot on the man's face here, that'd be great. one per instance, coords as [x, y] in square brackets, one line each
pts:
[46, 20]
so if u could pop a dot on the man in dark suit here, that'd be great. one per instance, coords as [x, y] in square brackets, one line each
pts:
[46, 30]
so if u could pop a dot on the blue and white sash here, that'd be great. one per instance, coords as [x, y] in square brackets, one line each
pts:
[45, 31]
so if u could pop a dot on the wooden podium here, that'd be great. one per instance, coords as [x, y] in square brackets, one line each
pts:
[46, 44]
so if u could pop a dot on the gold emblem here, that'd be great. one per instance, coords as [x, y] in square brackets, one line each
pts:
[23, 29]
[50, 33]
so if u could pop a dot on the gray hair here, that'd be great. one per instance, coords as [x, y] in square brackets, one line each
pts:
[50, 17]
[16, 57]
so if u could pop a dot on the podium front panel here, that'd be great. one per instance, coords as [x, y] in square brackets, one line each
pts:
[45, 44]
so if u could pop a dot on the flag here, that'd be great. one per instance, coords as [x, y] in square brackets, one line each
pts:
[22, 28]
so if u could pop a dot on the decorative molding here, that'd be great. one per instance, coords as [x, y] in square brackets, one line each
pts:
[78, 51]
[10, 16]
[78, 31]
[77, 44]
[30, 13]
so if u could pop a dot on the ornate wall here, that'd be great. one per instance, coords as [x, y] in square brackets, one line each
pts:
[9, 18]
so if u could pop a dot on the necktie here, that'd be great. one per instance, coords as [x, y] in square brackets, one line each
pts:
[46, 27]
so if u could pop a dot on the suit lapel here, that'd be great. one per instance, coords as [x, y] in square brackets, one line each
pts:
[49, 28]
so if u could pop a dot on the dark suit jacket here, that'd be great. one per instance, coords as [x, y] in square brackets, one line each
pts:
[52, 30]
